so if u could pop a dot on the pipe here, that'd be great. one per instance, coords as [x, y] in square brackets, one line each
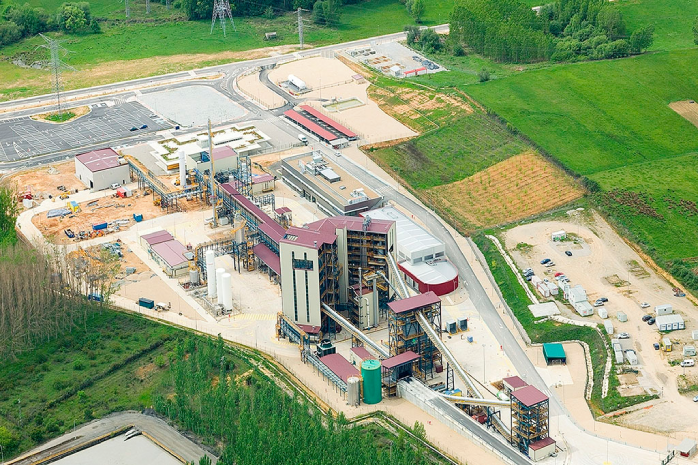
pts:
[396, 271]
[392, 286]
[474, 401]
[355, 331]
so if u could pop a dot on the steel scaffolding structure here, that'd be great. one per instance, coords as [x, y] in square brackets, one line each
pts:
[167, 200]
[530, 417]
[406, 333]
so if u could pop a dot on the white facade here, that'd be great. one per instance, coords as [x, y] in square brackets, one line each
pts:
[665, 309]
[558, 235]
[671, 322]
[609, 326]
[301, 302]
[102, 179]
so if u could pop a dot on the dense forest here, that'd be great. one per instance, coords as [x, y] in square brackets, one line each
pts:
[260, 424]
[565, 30]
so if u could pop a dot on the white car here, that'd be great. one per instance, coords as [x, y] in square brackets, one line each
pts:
[688, 363]
[644, 305]
[624, 336]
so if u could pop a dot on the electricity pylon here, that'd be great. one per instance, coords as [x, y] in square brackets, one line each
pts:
[57, 66]
[221, 10]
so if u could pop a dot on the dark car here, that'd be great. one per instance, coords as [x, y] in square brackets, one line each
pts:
[603, 299]
[651, 321]
[646, 317]
[145, 126]
[544, 261]
[656, 346]
[568, 253]
[133, 129]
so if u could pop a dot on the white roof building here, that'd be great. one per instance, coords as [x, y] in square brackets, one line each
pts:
[670, 322]
[421, 256]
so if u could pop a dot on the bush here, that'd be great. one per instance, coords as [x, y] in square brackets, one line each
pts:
[458, 50]
[483, 75]
[430, 41]
[78, 365]
[269, 12]
[9, 33]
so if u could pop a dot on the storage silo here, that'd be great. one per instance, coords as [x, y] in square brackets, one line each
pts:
[227, 291]
[194, 277]
[219, 283]
[211, 273]
[371, 373]
[353, 390]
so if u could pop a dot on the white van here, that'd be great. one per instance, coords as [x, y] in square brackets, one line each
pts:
[303, 139]
[688, 363]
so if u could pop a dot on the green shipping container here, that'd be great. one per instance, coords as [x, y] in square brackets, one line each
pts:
[371, 373]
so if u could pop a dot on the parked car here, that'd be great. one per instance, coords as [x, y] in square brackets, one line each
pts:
[115, 185]
[568, 253]
[646, 318]
[651, 321]
[549, 264]
[559, 274]
[644, 305]
[544, 261]
[688, 363]
[656, 346]
[145, 126]
[134, 128]
[624, 336]
[598, 303]
[695, 399]
[602, 299]
[528, 278]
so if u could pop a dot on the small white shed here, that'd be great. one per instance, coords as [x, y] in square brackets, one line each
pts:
[603, 313]
[622, 317]
[689, 351]
[558, 235]
[609, 326]
[665, 309]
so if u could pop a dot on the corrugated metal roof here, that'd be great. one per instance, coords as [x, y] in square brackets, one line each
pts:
[309, 125]
[171, 251]
[405, 357]
[324, 231]
[515, 382]
[362, 353]
[157, 237]
[667, 319]
[529, 396]
[223, 152]
[329, 121]
[340, 366]
[417, 301]
[266, 224]
[411, 237]
[542, 443]
[99, 160]
[265, 254]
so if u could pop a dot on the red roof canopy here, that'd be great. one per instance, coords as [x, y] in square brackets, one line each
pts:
[417, 301]
[157, 237]
[362, 353]
[515, 382]
[340, 366]
[309, 125]
[542, 443]
[310, 329]
[328, 121]
[269, 258]
[529, 396]
[403, 358]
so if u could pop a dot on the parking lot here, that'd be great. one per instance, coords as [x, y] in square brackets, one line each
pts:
[22, 137]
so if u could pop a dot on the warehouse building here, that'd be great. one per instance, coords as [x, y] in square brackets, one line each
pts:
[323, 182]
[101, 168]
[167, 252]
[339, 262]
[671, 322]
[421, 256]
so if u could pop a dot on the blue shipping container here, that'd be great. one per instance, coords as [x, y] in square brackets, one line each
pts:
[99, 226]
[147, 303]
[138, 218]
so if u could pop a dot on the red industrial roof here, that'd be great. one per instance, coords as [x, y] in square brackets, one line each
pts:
[542, 443]
[340, 366]
[403, 358]
[309, 237]
[256, 179]
[265, 254]
[310, 329]
[354, 223]
[99, 160]
[157, 237]
[328, 121]
[266, 225]
[515, 382]
[362, 353]
[222, 152]
[324, 231]
[282, 210]
[309, 125]
[529, 396]
[417, 301]
[171, 251]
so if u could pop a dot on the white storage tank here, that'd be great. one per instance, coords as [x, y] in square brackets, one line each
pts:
[227, 291]
[353, 390]
[194, 277]
[211, 273]
[182, 168]
[219, 283]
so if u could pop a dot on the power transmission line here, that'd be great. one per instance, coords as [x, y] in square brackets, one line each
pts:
[56, 65]
[221, 10]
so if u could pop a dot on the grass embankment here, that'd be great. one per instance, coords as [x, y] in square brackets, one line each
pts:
[551, 331]
[180, 44]
[610, 121]
[231, 398]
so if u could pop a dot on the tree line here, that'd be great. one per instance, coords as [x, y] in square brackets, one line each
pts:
[565, 30]
[258, 423]
[19, 21]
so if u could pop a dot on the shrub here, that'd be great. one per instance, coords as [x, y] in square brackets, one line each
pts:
[458, 50]
[483, 75]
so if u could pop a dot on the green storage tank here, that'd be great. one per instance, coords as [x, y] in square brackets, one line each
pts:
[371, 373]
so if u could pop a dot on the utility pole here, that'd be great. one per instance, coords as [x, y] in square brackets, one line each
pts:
[128, 11]
[167, 4]
[221, 10]
[147, 6]
[300, 27]
[56, 65]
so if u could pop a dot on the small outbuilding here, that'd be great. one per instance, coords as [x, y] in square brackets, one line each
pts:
[670, 322]
[608, 326]
[689, 351]
[687, 448]
[622, 317]
[513, 383]
[665, 309]
[554, 354]
[558, 236]
[101, 168]
[541, 449]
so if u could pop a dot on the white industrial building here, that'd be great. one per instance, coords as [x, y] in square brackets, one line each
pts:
[421, 256]
[577, 297]
[101, 168]
[671, 322]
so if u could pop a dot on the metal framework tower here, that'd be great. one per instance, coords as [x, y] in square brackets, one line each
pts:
[57, 65]
[128, 11]
[221, 10]
[147, 6]
[300, 27]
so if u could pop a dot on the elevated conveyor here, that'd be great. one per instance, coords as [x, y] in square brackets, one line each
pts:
[393, 267]
[355, 331]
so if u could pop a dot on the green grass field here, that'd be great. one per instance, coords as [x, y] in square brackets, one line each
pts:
[672, 20]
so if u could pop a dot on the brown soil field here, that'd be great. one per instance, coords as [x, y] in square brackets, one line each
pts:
[45, 180]
[519, 187]
[686, 109]
[113, 208]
